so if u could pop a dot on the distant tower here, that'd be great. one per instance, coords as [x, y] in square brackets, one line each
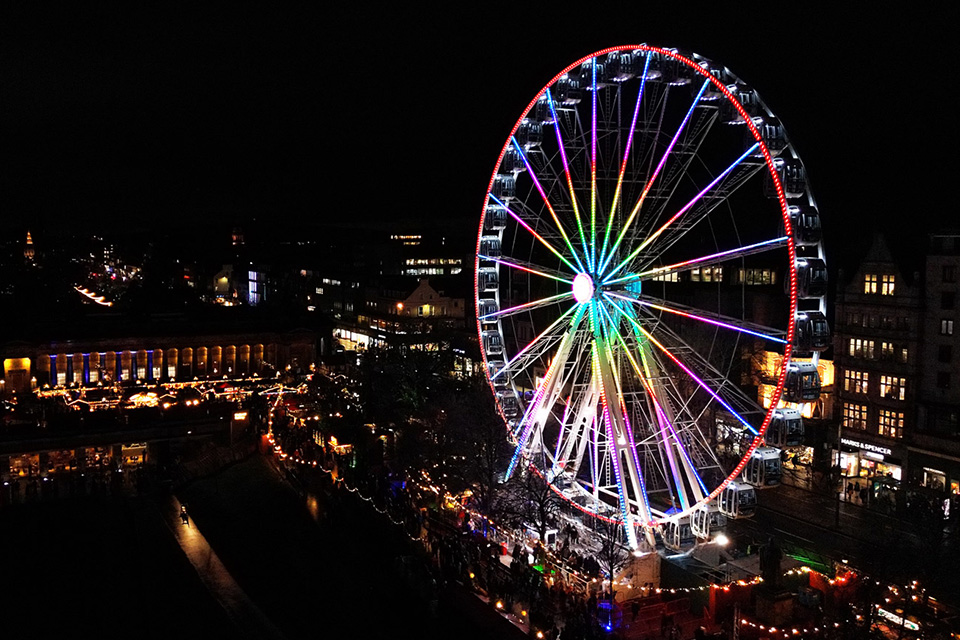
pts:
[28, 249]
[237, 237]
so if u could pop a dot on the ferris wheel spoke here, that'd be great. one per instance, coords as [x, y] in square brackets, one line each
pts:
[546, 201]
[528, 306]
[684, 209]
[703, 385]
[530, 268]
[716, 319]
[536, 235]
[671, 443]
[708, 203]
[529, 352]
[653, 178]
[566, 170]
[712, 259]
[626, 155]
[593, 166]
[538, 410]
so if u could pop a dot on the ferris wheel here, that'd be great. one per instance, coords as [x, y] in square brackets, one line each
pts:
[647, 226]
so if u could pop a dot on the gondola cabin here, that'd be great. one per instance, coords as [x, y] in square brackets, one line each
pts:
[802, 383]
[678, 536]
[786, 429]
[806, 225]
[811, 278]
[763, 469]
[811, 332]
[738, 500]
[487, 310]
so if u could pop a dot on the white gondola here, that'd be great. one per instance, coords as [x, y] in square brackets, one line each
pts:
[802, 383]
[567, 91]
[487, 280]
[738, 500]
[811, 278]
[492, 343]
[700, 523]
[678, 536]
[495, 218]
[806, 225]
[811, 332]
[786, 429]
[529, 135]
[509, 404]
[512, 162]
[487, 309]
[504, 187]
[490, 247]
[763, 469]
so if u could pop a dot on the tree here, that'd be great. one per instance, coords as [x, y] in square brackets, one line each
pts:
[529, 500]
[613, 553]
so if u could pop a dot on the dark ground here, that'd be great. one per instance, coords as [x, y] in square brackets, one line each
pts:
[89, 566]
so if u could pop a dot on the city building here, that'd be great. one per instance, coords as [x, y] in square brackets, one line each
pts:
[897, 399]
[935, 446]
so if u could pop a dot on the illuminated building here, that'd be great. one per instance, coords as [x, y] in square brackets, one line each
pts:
[898, 401]
[876, 355]
[28, 248]
[168, 348]
[935, 447]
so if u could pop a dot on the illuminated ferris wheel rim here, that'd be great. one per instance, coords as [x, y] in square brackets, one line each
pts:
[587, 283]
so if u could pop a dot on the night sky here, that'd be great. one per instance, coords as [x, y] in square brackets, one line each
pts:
[155, 120]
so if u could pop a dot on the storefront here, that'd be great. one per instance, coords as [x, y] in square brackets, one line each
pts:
[938, 474]
[859, 459]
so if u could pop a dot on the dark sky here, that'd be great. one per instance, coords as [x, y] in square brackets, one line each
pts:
[112, 116]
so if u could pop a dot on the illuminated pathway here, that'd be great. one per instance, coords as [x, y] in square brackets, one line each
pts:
[249, 619]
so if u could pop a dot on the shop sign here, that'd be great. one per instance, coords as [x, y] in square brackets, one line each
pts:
[866, 446]
[895, 619]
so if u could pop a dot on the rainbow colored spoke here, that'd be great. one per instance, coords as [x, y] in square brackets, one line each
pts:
[593, 168]
[528, 305]
[656, 172]
[626, 156]
[537, 411]
[729, 323]
[566, 170]
[546, 201]
[664, 425]
[536, 235]
[515, 264]
[643, 245]
[713, 394]
[722, 256]
[530, 345]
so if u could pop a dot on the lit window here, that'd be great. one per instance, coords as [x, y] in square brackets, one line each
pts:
[707, 274]
[891, 423]
[856, 381]
[886, 350]
[668, 277]
[946, 327]
[854, 415]
[860, 348]
[886, 285]
[870, 283]
[893, 388]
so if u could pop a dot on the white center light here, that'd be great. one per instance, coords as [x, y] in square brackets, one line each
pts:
[582, 287]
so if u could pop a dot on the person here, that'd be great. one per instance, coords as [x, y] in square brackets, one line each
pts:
[183, 514]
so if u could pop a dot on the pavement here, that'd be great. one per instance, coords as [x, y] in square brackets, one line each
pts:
[249, 619]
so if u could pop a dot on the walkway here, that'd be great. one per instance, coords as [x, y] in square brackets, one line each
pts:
[250, 620]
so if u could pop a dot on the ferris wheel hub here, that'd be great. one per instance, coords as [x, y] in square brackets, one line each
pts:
[583, 288]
